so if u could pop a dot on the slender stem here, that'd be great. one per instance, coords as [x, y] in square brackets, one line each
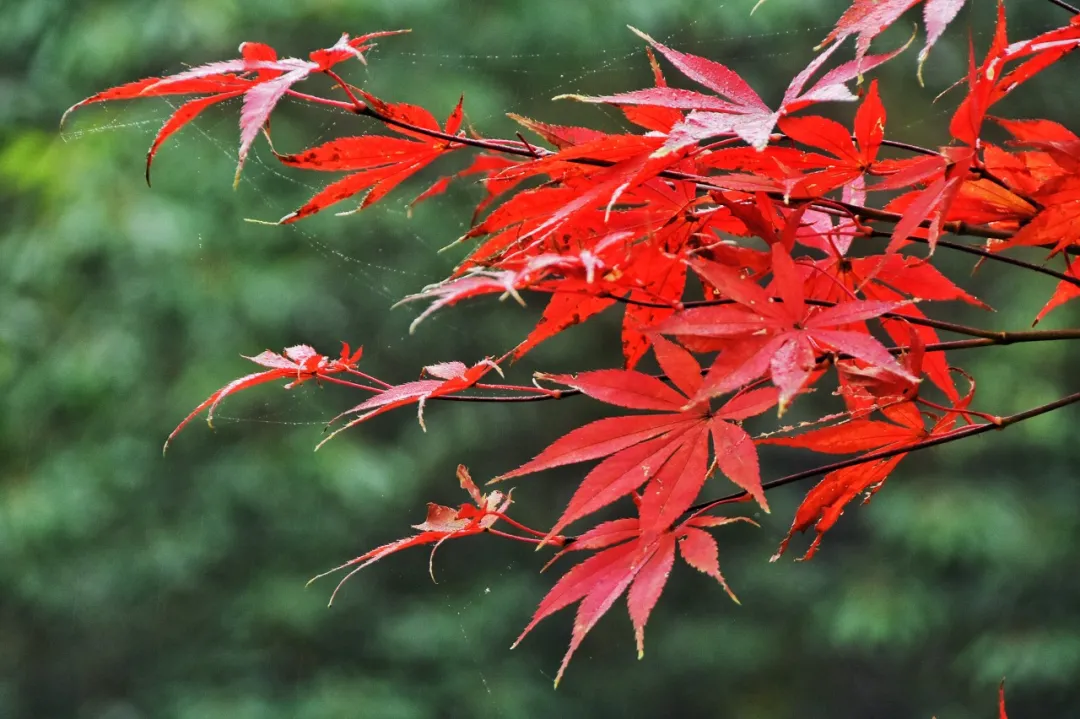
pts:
[994, 256]
[1066, 6]
[500, 533]
[348, 90]
[966, 413]
[917, 149]
[1001, 338]
[980, 168]
[316, 100]
[527, 144]
[926, 322]
[962, 433]
[369, 378]
[907, 146]
[1005, 338]
[522, 527]
[553, 395]
[956, 227]
[347, 383]
[514, 388]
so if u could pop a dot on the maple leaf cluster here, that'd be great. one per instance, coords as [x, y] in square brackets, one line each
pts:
[744, 247]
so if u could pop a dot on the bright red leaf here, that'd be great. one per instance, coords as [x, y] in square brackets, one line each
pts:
[783, 338]
[773, 212]
[825, 503]
[738, 110]
[297, 364]
[273, 78]
[378, 163]
[668, 453]
[640, 561]
[850, 161]
[442, 523]
[448, 378]
[869, 18]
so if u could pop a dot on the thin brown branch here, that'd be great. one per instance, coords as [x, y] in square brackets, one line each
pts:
[962, 433]
[1002, 338]
[504, 146]
[993, 256]
[917, 149]
[1066, 6]
[1005, 338]
[906, 146]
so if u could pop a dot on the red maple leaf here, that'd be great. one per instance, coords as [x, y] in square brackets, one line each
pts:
[632, 558]
[669, 451]
[378, 164]
[273, 79]
[1057, 223]
[984, 86]
[442, 523]
[826, 501]
[886, 278]
[987, 84]
[850, 161]
[866, 388]
[869, 18]
[782, 339]
[1064, 291]
[653, 117]
[449, 377]
[738, 110]
[297, 364]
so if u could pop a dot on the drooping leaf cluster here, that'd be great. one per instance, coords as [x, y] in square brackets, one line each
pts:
[758, 254]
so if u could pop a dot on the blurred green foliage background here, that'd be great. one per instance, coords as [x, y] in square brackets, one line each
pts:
[136, 586]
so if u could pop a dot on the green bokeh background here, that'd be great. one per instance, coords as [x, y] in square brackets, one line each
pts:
[136, 586]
